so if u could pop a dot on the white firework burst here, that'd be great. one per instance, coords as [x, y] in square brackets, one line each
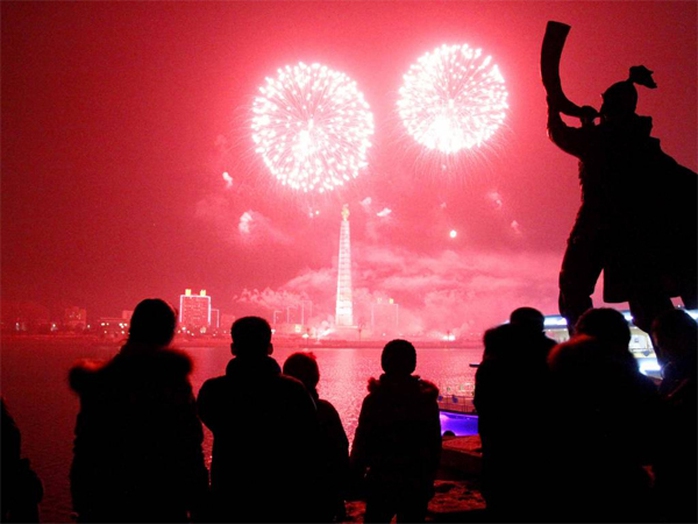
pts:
[312, 127]
[452, 98]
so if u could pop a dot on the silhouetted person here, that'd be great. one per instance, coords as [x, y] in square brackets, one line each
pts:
[603, 431]
[334, 467]
[512, 400]
[22, 490]
[646, 256]
[397, 444]
[137, 452]
[265, 434]
[609, 325]
[532, 322]
[675, 335]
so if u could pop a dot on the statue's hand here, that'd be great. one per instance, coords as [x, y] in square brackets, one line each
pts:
[588, 112]
[587, 115]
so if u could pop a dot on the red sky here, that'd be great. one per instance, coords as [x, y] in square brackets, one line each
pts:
[119, 118]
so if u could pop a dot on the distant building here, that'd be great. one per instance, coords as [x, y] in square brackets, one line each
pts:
[215, 318]
[113, 328]
[226, 322]
[75, 318]
[195, 311]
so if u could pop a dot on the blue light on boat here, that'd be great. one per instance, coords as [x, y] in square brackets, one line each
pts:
[460, 424]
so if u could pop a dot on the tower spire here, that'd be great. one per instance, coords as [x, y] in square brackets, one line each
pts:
[344, 311]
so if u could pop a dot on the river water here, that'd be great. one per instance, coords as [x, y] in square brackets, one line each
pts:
[34, 385]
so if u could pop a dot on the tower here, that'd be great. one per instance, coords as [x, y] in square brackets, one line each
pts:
[344, 313]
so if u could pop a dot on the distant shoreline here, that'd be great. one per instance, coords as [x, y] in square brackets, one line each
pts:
[281, 341]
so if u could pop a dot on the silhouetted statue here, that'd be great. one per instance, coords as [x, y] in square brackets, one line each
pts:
[137, 452]
[675, 335]
[512, 389]
[22, 490]
[266, 447]
[637, 220]
[334, 467]
[397, 444]
[603, 431]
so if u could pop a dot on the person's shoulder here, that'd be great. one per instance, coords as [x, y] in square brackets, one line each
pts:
[215, 383]
[174, 361]
[373, 386]
[85, 374]
[326, 407]
[428, 389]
[290, 384]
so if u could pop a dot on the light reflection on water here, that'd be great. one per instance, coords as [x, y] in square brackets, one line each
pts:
[34, 384]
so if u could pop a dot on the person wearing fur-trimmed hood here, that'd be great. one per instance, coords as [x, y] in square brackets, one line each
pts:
[137, 454]
[397, 444]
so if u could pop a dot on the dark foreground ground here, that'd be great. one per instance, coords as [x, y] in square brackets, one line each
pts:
[458, 497]
[455, 501]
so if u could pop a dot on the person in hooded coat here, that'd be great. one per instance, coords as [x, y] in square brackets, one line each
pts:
[397, 443]
[137, 453]
[512, 398]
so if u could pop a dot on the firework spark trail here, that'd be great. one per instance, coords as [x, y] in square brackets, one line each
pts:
[452, 99]
[312, 127]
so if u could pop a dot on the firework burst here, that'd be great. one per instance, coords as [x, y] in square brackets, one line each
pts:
[452, 99]
[312, 127]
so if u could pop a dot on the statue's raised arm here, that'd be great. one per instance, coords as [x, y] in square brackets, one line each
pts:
[550, 54]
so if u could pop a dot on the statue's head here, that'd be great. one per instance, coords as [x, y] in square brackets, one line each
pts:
[620, 100]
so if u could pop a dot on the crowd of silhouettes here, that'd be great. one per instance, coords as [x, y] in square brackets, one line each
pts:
[571, 431]
[574, 432]
[280, 452]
